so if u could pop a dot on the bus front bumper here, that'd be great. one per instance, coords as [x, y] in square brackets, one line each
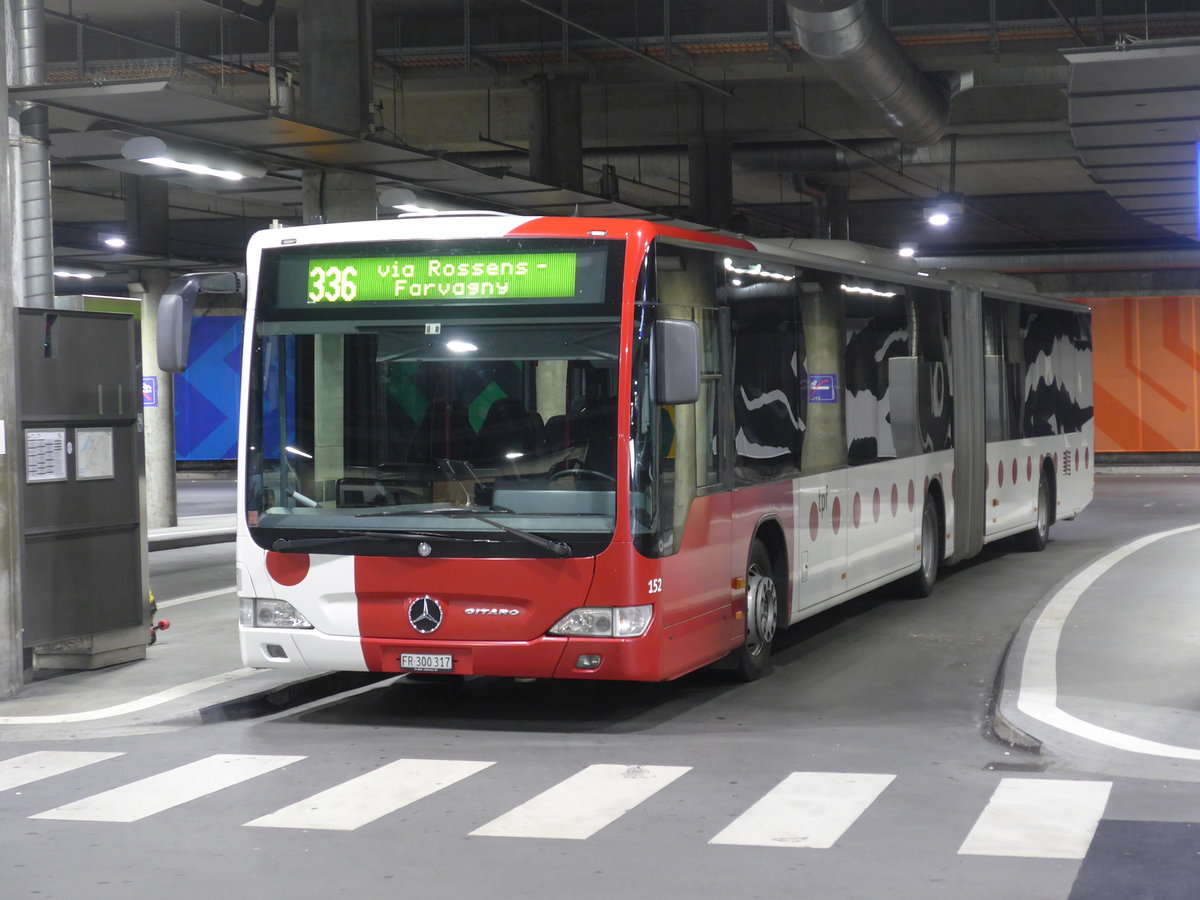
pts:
[618, 659]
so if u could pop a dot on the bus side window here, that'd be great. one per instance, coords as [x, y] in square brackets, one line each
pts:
[769, 377]
[877, 331]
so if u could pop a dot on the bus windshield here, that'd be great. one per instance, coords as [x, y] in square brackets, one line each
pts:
[383, 431]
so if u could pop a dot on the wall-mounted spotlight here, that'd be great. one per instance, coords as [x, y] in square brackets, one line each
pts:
[155, 151]
[115, 241]
[908, 251]
[944, 210]
[402, 199]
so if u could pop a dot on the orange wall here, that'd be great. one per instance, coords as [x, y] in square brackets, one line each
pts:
[1147, 373]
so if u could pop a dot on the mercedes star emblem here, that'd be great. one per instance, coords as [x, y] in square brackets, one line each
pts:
[425, 615]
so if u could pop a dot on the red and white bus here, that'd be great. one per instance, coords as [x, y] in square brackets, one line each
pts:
[589, 448]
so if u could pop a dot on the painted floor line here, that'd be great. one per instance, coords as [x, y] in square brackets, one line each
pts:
[158, 793]
[1039, 818]
[41, 764]
[806, 809]
[1038, 693]
[131, 706]
[360, 801]
[191, 598]
[589, 800]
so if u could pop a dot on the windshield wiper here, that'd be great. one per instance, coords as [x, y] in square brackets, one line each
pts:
[344, 537]
[392, 513]
[558, 548]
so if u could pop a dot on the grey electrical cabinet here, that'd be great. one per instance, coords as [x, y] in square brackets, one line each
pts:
[83, 563]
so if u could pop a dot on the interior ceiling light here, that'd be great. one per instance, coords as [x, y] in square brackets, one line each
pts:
[115, 241]
[867, 290]
[404, 200]
[944, 210]
[908, 251]
[155, 151]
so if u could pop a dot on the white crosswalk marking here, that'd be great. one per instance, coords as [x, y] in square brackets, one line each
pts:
[139, 799]
[806, 809]
[41, 764]
[364, 799]
[577, 808]
[1048, 819]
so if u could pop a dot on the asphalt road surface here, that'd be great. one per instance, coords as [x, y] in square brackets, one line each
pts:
[861, 767]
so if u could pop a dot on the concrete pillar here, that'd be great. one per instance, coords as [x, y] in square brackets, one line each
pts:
[11, 653]
[159, 421]
[335, 63]
[710, 181]
[147, 221]
[556, 131]
[331, 195]
[147, 214]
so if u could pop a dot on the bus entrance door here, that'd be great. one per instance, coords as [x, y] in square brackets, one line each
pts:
[820, 540]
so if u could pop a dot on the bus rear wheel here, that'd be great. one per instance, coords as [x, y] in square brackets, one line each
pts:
[762, 615]
[1037, 537]
[920, 583]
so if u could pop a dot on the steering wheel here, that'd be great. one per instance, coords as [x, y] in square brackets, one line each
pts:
[578, 472]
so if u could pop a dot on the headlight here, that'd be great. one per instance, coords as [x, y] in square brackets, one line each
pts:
[605, 621]
[261, 613]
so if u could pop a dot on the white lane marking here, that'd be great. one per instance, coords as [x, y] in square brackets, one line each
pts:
[1038, 693]
[31, 767]
[368, 797]
[806, 809]
[1042, 818]
[131, 706]
[191, 598]
[577, 808]
[143, 798]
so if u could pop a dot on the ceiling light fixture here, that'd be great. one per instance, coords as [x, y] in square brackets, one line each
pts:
[908, 251]
[84, 273]
[944, 210]
[115, 241]
[404, 200]
[155, 151]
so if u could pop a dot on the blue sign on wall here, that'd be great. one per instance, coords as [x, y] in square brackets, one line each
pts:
[149, 390]
[206, 394]
[822, 389]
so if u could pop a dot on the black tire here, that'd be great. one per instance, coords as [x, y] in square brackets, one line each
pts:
[920, 583]
[1035, 540]
[753, 658]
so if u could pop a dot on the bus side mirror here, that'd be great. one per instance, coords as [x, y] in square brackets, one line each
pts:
[174, 332]
[676, 352]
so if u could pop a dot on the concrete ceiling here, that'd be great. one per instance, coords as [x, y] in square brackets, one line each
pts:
[1052, 150]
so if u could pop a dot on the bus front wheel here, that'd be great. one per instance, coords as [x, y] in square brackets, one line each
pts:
[762, 615]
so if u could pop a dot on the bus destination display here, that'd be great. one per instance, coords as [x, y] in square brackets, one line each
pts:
[492, 276]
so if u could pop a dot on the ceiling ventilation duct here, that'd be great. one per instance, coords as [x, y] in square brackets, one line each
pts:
[863, 57]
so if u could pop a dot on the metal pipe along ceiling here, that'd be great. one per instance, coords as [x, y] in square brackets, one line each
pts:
[29, 16]
[861, 55]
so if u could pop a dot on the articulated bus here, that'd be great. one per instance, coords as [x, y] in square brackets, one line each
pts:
[535, 447]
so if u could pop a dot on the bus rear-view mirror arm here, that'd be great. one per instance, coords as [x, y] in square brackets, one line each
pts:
[676, 362]
[175, 311]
